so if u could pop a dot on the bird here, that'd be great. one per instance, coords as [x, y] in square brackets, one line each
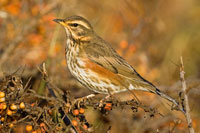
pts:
[96, 65]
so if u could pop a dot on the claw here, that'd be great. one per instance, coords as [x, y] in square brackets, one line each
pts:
[104, 99]
[82, 99]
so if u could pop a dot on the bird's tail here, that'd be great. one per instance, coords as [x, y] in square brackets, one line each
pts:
[149, 87]
[165, 96]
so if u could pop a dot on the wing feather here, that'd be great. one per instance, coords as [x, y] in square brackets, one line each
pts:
[104, 55]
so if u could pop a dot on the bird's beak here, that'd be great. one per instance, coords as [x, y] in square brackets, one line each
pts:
[60, 21]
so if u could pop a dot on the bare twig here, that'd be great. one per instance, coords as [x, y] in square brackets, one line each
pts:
[185, 104]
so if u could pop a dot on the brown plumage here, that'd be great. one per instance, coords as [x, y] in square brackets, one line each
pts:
[97, 65]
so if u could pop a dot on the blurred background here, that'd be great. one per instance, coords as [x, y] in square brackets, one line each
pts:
[151, 35]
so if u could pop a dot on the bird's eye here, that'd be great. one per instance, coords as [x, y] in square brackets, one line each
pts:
[74, 24]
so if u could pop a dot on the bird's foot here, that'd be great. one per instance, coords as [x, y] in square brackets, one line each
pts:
[78, 101]
[103, 100]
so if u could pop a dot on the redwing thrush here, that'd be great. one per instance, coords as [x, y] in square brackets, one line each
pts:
[97, 65]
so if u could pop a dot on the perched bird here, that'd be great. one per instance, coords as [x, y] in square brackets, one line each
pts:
[95, 64]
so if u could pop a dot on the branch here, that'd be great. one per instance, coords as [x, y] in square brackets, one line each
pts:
[185, 104]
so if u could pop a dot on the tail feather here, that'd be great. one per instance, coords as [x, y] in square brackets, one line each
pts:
[149, 87]
[165, 96]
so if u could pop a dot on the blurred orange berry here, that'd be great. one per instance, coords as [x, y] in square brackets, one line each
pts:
[2, 119]
[2, 94]
[43, 127]
[74, 123]
[50, 112]
[13, 8]
[85, 127]
[11, 125]
[29, 127]
[9, 112]
[42, 124]
[22, 105]
[81, 110]
[3, 106]
[123, 44]
[2, 99]
[108, 106]
[33, 104]
[75, 112]
[13, 107]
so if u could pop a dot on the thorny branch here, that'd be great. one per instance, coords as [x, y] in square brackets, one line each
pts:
[185, 102]
[58, 108]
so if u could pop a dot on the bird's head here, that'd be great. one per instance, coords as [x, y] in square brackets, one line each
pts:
[76, 27]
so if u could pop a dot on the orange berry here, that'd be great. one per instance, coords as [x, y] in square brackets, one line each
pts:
[74, 123]
[50, 112]
[33, 104]
[9, 112]
[34, 131]
[42, 124]
[123, 44]
[13, 107]
[2, 119]
[1, 105]
[4, 106]
[29, 127]
[81, 110]
[22, 105]
[43, 127]
[85, 127]
[108, 106]
[2, 99]
[75, 112]
[11, 125]
[2, 94]
[57, 128]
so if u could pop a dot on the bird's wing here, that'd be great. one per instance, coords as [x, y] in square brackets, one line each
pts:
[104, 55]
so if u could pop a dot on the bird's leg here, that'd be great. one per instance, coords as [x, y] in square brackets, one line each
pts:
[82, 99]
[105, 98]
